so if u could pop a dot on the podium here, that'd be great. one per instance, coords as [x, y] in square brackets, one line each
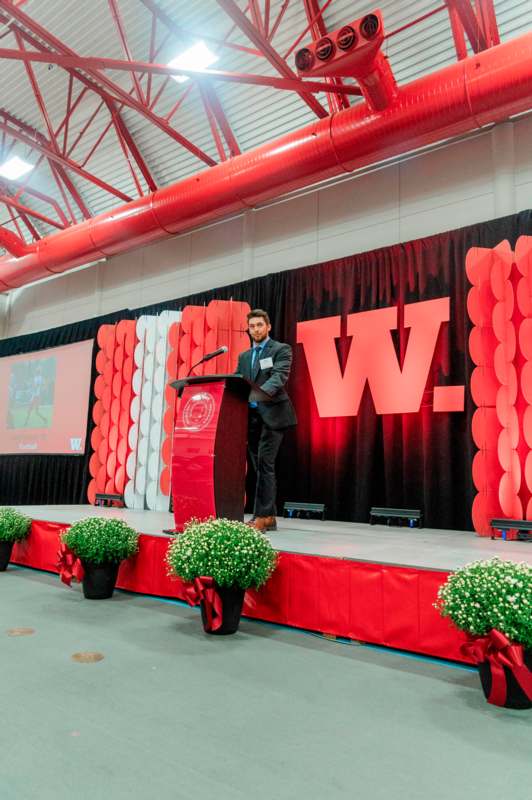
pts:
[209, 448]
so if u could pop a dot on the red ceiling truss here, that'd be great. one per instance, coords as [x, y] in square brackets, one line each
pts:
[65, 151]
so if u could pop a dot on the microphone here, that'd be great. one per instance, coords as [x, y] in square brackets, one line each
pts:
[222, 349]
[208, 356]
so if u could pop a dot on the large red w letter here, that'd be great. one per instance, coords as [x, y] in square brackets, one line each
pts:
[372, 358]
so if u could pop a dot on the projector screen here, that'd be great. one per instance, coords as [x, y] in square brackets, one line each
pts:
[44, 400]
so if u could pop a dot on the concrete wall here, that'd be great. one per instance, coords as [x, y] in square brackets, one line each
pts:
[474, 180]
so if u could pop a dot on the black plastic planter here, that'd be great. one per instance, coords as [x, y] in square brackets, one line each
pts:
[232, 598]
[5, 554]
[515, 697]
[99, 580]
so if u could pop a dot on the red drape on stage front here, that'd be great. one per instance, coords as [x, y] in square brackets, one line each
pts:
[376, 603]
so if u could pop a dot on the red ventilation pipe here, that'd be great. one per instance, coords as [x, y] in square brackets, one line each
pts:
[485, 88]
[13, 243]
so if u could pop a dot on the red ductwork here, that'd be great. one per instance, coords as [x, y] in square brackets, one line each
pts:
[486, 88]
[13, 243]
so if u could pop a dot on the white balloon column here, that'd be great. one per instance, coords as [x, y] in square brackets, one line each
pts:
[144, 463]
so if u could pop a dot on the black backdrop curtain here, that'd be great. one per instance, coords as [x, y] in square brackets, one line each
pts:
[421, 460]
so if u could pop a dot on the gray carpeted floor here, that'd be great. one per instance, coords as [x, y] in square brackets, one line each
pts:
[171, 713]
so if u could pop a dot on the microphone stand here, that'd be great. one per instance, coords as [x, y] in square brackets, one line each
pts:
[203, 359]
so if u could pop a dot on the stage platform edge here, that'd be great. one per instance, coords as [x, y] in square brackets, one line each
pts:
[364, 601]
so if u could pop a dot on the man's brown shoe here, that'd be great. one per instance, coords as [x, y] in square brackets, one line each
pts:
[263, 523]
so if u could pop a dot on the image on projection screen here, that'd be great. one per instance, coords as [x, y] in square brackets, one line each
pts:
[44, 400]
[31, 394]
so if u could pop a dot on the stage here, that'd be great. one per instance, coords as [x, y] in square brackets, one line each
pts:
[371, 583]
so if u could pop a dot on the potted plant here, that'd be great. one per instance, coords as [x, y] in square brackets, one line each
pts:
[492, 602]
[92, 550]
[220, 558]
[14, 526]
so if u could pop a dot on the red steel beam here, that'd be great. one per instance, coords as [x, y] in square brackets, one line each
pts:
[97, 77]
[35, 134]
[14, 218]
[34, 233]
[186, 35]
[266, 18]
[205, 93]
[179, 102]
[48, 151]
[58, 171]
[62, 191]
[126, 155]
[290, 83]
[59, 174]
[133, 149]
[457, 30]
[115, 11]
[234, 12]
[64, 178]
[68, 110]
[37, 94]
[256, 16]
[45, 198]
[9, 200]
[278, 20]
[151, 55]
[415, 21]
[221, 119]
[212, 123]
[471, 24]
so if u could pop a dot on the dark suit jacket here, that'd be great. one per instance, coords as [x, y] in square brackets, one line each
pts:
[277, 411]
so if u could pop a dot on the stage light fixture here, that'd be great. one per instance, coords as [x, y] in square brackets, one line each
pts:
[196, 57]
[15, 168]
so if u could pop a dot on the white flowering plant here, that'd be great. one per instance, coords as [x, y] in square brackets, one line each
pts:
[230, 552]
[13, 525]
[98, 540]
[490, 594]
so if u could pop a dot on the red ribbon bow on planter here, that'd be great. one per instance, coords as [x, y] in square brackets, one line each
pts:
[499, 651]
[202, 589]
[69, 565]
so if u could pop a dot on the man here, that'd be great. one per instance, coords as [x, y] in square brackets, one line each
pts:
[267, 364]
[35, 396]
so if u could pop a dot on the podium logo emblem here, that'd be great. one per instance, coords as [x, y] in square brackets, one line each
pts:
[198, 411]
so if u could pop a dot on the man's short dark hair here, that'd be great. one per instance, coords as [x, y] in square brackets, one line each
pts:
[259, 312]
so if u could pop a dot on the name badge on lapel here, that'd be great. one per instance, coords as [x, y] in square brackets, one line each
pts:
[266, 363]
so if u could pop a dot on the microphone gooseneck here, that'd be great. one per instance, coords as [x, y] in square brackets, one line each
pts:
[208, 356]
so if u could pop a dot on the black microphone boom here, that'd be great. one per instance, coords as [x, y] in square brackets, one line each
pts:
[222, 349]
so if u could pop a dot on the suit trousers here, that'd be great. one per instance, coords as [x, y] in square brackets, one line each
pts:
[263, 446]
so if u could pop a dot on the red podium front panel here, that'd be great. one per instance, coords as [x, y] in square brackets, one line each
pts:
[209, 450]
[194, 451]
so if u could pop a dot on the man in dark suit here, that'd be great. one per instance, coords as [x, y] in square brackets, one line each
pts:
[267, 365]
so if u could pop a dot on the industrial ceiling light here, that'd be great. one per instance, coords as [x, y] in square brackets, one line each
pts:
[196, 57]
[15, 168]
